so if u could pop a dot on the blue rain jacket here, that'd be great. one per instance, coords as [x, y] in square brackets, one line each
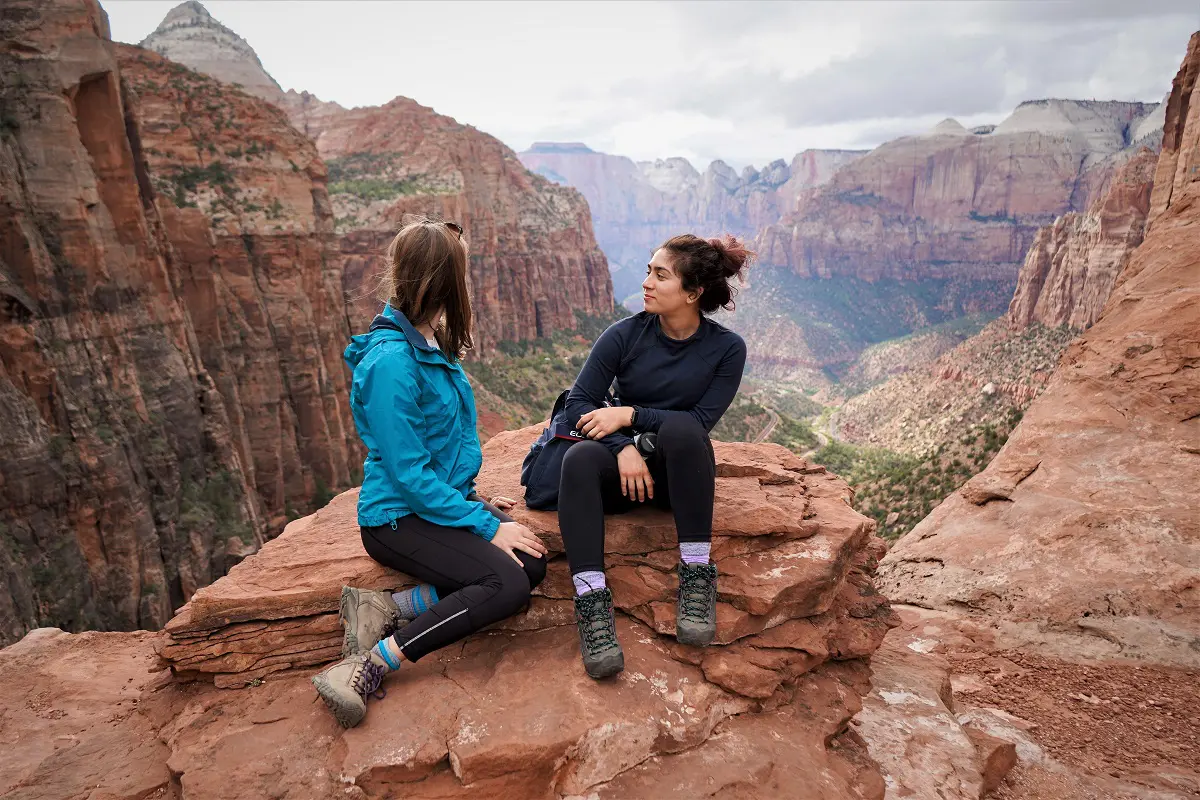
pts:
[415, 412]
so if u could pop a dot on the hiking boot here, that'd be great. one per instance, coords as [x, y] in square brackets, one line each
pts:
[696, 610]
[602, 654]
[367, 617]
[346, 686]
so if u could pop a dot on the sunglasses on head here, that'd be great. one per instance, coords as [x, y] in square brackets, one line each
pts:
[412, 219]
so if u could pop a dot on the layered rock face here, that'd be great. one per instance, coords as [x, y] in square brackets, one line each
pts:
[1072, 264]
[761, 713]
[535, 263]
[189, 35]
[243, 202]
[1086, 521]
[123, 482]
[952, 203]
[172, 323]
[638, 205]
[927, 229]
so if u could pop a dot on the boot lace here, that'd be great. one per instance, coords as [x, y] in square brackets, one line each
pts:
[395, 622]
[596, 621]
[367, 677]
[697, 590]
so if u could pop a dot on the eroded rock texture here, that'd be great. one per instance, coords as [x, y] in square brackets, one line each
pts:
[1086, 521]
[172, 327]
[761, 714]
[123, 483]
[1072, 264]
[535, 264]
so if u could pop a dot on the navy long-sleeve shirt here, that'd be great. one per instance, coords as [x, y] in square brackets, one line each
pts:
[659, 375]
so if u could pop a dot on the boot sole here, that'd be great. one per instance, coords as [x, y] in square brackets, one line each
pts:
[697, 637]
[349, 599]
[605, 667]
[347, 715]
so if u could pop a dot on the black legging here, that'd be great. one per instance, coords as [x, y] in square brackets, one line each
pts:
[477, 583]
[684, 472]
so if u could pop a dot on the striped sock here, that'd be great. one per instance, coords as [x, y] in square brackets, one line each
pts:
[388, 653]
[415, 601]
[588, 581]
[694, 552]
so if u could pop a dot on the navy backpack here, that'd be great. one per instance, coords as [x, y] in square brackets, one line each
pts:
[543, 463]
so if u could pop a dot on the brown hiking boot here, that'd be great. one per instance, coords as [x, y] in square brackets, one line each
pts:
[346, 686]
[367, 616]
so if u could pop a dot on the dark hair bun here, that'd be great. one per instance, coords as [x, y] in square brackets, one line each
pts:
[708, 265]
[735, 255]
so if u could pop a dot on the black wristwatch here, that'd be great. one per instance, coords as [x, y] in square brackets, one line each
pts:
[633, 417]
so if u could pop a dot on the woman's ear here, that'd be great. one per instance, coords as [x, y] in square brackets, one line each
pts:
[695, 295]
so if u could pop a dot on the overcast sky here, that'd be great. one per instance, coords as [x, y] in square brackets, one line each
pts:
[743, 81]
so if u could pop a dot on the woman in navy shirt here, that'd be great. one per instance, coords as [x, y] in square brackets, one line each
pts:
[676, 372]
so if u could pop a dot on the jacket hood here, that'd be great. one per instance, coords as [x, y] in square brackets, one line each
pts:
[388, 326]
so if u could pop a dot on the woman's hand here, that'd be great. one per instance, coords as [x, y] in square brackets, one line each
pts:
[603, 421]
[513, 536]
[503, 503]
[635, 475]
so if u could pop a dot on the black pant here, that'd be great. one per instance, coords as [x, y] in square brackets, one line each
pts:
[684, 472]
[477, 583]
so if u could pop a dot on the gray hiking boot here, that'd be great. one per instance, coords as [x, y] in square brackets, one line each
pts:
[602, 654]
[367, 617]
[346, 685]
[696, 611]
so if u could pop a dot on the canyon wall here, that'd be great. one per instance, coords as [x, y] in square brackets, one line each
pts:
[1073, 263]
[123, 479]
[953, 203]
[535, 263]
[637, 205]
[174, 307]
[244, 207]
[1086, 522]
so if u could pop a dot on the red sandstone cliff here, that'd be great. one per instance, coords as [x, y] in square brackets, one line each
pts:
[1072, 264]
[953, 203]
[122, 474]
[1086, 521]
[535, 263]
[172, 326]
[244, 206]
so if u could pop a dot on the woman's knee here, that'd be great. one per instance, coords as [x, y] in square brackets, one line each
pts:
[583, 459]
[516, 584]
[535, 570]
[681, 429]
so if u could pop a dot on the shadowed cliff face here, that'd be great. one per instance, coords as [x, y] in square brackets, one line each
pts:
[123, 482]
[172, 326]
[535, 264]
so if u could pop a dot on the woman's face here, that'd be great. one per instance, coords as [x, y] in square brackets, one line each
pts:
[662, 291]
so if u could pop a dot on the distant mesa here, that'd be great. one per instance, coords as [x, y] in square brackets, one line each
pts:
[559, 147]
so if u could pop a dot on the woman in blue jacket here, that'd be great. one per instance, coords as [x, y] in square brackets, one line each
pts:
[418, 511]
